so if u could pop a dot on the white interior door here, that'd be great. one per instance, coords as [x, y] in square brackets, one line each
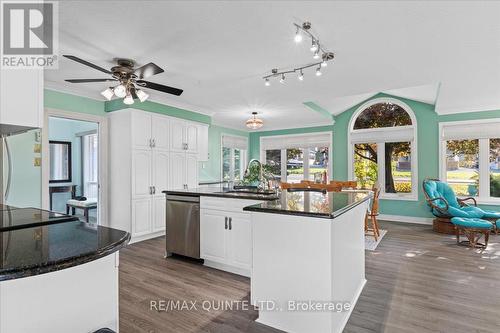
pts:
[141, 173]
[213, 236]
[160, 127]
[240, 241]
[141, 130]
[177, 171]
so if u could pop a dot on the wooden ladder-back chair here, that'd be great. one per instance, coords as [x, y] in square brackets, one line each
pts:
[371, 223]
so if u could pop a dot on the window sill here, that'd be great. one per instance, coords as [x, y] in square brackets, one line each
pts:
[407, 197]
[486, 201]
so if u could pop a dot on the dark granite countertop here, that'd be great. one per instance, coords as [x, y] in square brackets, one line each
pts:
[47, 248]
[12, 218]
[314, 204]
[223, 192]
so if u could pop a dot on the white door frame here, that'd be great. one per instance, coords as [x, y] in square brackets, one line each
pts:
[103, 158]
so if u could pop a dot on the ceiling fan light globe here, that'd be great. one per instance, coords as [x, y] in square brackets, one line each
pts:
[128, 100]
[142, 95]
[120, 91]
[108, 94]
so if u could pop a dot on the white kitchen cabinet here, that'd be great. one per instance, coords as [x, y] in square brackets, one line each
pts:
[141, 130]
[159, 214]
[202, 142]
[21, 101]
[239, 244]
[141, 217]
[226, 234]
[189, 137]
[149, 155]
[213, 231]
[141, 173]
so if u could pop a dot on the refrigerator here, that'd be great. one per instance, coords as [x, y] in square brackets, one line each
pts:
[20, 167]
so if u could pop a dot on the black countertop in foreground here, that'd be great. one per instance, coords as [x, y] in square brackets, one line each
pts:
[222, 192]
[314, 204]
[47, 248]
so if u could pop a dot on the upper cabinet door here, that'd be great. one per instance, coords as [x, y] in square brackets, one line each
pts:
[141, 130]
[161, 168]
[141, 173]
[161, 132]
[177, 135]
[203, 142]
[192, 137]
[21, 97]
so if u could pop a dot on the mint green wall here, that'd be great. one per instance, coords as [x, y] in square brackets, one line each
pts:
[254, 151]
[68, 102]
[211, 170]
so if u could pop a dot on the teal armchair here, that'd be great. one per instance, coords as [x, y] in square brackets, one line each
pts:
[444, 205]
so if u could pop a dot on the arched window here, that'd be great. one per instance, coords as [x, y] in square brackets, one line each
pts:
[382, 143]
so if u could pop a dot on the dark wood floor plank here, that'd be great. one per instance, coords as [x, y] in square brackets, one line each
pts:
[418, 282]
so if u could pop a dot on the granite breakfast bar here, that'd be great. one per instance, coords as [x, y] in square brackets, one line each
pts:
[57, 274]
[308, 259]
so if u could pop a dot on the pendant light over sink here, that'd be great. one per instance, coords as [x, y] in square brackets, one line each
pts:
[254, 122]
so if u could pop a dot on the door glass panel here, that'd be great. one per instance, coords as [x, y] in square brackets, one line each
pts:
[273, 161]
[462, 166]
[318, 162]
[294, 165]
[237, 164]
[226, 163]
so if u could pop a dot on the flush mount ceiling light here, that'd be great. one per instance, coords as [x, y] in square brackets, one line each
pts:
[320, 53]
[254, 122]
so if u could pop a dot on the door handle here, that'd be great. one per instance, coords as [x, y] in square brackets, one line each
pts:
[225, 222]
[230, 223]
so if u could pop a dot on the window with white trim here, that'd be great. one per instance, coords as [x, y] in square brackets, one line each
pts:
[234, 157]
[470, 158]
[293, 158]
[382, 146]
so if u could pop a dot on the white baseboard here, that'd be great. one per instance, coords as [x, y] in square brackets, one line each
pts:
[227, 268]
[146, 237]
[407, 219]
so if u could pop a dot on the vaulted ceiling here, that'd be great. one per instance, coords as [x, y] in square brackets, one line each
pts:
[441, 52]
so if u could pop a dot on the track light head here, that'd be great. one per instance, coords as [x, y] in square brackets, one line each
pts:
[267, 83]
[316, 54]
[301, 76]
[318, 71]
[298, 36]
[282, 80]
[314, 46]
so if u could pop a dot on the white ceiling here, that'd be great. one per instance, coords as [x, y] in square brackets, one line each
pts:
[217, 51]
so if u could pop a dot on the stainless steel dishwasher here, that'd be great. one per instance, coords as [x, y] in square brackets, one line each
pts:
[183, 225]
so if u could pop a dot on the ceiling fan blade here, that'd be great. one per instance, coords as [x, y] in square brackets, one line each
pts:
[88, 80]
[86, 63]
[148, 70]
[160, 87]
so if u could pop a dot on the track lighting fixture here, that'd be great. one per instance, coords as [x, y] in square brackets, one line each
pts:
[321, 54]
[318, 71]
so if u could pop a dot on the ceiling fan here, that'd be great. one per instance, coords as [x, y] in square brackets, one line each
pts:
[130, 80]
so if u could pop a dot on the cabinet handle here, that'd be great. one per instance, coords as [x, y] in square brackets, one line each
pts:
[150, 143]
[187, 146]
[230, 224]
[150, 190]
[154, 189]
[154, 142]
[225, 222]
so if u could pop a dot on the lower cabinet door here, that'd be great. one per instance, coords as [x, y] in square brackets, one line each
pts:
[212, 236]
[141, 217]
[159, 214]
[239, 241]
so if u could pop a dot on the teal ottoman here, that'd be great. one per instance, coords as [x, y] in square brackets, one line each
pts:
[473, 229]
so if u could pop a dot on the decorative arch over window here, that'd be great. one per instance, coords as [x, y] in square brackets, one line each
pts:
[382, 144]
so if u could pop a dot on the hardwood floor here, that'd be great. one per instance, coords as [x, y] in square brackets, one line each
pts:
[418, 282]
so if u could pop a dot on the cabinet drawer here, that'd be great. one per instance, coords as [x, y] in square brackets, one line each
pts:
[226, 204]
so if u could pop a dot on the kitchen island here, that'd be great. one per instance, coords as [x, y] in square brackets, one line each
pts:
[308, 259]
[57, 274]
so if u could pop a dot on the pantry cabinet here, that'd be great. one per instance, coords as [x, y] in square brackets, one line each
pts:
[144, 161]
